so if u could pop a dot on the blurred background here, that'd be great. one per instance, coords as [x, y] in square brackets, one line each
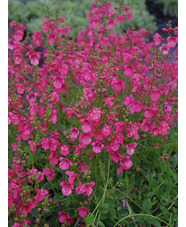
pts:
[149, 14]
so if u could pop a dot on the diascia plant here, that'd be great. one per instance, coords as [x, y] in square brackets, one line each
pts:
[79, 111]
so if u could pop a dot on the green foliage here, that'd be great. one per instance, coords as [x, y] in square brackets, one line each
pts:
[30, 13]
[170, 7]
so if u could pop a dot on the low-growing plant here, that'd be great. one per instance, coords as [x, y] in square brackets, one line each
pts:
[92, 124]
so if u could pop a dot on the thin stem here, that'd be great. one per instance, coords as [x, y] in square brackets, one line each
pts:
[130, 199]
[132, 215]
[104, 193]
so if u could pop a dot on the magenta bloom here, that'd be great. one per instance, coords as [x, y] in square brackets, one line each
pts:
[85, 138]
[65, 217]
[97, 146]
[95, 114]
[130, 148]
[66, 188]
[172, 41]
[64, 163]
[120, 18]
[125, 163]
[87, 126]
[33, 57]
[128, 70]
[157, 39]
[71, 176]
[82, 211]
[40, 194]
[64, 150]
[87, 188]
[53, 158]
[49, 173]
[74, 133]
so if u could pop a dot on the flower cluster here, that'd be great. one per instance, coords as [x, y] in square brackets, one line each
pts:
[85, 101]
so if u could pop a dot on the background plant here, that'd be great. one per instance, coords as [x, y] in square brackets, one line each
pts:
[32, 12]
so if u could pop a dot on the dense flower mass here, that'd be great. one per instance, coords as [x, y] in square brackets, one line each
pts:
[80, 104]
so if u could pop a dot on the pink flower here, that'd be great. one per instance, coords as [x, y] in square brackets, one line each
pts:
[126, 9]
[97, 146]
[118, 86]
[87, 188]
[32, 96]
[85, 138]
[114, 146]
[40, 194]
[130, 148]
[64, 150]
[155, 94]
[163, 128]
[120, 18]
[87, 126]
[106, 131]
[49, 173]
[128, 70]
[33, 146]
[134, 106]
[157, 39]
[115, 156]
[95, 114]
[65, 217]
[53, 158]
[172, 41]
[45, 25]
[83, 211]
[71, 176]
[37, 38]
[45, 143]
[62, 19]
[51, 38]
[125, 163]
[40, 176]
[64, 163]
[80, 189]
[33, 57]
[58, 82]
[19, 30]
[111, 24]
[24, 130]
[164, 48]
[66, 188]
[133, 131]
[130, 15]
[74, 133]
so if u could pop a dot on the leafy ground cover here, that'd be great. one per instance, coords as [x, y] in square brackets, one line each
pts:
[92, 124]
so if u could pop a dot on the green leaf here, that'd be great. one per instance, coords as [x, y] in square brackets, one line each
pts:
[131, 184]
[89, 220]
[147, 204]
[110, 180]
[104, 208]
[154, 222]
[100, 224]
[129, 208]
[35, 213]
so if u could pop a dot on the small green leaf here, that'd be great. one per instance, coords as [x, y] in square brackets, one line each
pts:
[154, 222]
[103, 208]
[35, 213]
[89, 220]
[100, 224]
[147, 204]
[129, 208]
